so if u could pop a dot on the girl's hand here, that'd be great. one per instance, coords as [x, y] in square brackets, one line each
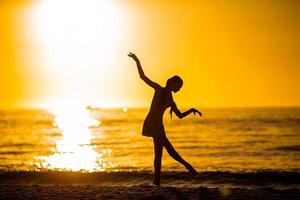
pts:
[195, 111]
[133, 56]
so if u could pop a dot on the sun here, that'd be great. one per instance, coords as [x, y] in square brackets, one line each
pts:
[78, 40]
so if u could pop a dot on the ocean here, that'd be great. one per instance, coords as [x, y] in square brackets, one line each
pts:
[91, 139]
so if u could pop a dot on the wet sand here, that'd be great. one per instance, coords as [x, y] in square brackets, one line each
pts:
[119, 185]
[145, 192]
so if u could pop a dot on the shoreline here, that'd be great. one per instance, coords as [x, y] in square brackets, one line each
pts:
[277, 180]
[141, 192]
[138, 185]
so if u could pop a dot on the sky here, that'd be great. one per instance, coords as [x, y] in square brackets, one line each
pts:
[228, 53]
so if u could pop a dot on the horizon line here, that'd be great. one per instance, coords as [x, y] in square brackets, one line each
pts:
[146, 107]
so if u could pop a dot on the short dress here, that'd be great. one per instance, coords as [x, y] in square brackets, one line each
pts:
[153, 125]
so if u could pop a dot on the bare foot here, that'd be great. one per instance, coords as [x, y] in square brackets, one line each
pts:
[192, 170]
[156, 182]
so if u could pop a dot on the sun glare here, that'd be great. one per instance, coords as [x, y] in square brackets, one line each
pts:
[74, 150]
[78, 40]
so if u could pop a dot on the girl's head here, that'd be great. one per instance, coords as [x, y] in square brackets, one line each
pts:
[174, 83]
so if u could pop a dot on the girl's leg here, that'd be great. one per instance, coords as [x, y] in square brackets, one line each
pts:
[177, 157]
[158, 149]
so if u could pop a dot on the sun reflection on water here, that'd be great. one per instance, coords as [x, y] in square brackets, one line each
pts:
[74, 150]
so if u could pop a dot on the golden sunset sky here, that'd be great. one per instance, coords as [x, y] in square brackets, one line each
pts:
[229, 53]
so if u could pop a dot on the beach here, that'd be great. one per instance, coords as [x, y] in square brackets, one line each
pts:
[142, 192]
[207, 185]
[149, 100]
[240, 153]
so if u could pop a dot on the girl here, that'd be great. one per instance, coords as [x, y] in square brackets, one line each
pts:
[153, 124]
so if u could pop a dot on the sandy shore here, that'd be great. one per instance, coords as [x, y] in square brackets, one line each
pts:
[145, 192]
[207, 186]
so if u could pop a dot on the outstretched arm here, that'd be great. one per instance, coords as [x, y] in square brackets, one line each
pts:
[141, 72]
[181, 115]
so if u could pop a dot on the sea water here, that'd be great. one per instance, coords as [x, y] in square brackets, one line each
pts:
[93, 139]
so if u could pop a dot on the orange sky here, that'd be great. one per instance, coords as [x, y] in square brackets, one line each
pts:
[237, 53]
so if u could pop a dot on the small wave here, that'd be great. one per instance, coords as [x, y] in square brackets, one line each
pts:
[255, 142]
[15, 152]
[286, 121]
[15, 145]
[294, 148]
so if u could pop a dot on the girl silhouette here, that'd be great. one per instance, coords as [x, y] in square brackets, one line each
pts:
[153, 124]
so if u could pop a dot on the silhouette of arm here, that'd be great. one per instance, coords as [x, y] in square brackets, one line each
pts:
[141, 72]
[180, 114]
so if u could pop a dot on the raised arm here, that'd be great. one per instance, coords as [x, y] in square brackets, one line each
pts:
[181, 115]
[141, 72]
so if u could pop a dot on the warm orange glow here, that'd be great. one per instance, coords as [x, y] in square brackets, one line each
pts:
[74, 150]
[79, 40]
[228, 54]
